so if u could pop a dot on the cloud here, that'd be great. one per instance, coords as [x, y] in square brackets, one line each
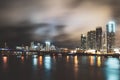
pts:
[87, 17]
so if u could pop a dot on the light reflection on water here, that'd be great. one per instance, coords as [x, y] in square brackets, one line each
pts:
[47, 62]
[35, 61]
[112, 69]
[98, 61]
[5, 62]
[5, 59]
[92, 60]
[40, 60]
[76, 66]
[76, 60]
[22, 59]
[67, 58]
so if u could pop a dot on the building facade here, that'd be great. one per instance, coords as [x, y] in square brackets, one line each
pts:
[110, 30]
[91, 40]
[99, 38]
[83, 42]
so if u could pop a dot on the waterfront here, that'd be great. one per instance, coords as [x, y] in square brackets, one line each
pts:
[59, 68]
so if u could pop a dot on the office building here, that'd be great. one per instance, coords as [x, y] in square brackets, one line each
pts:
[110, 30]
[91, 40]
[83, 42]
[99, 38]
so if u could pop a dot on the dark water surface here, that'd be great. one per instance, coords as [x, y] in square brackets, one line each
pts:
[59, 68]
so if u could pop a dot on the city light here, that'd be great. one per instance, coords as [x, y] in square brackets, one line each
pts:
[117, 51]
[59, 39]
[111, 26]
[47, 42]
[5, 59]
[92, 51]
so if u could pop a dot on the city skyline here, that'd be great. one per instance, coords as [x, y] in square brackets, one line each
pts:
[59, 39]
[59, 21]
[95, 39]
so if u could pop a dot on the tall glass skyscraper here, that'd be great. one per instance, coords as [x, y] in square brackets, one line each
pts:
[91, 40]
[110, 28]
[99, 38]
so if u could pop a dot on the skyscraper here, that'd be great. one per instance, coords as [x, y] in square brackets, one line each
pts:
[110, 28]
[99, 38]
[91, 40]
[47, 47]
[83, 42]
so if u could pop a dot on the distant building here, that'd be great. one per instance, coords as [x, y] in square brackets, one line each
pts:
[91, 40]
[99, 38]
[32, 46]
[110, 30]
[38, 46]
[47, 47]
[52, 48]
[83, 42]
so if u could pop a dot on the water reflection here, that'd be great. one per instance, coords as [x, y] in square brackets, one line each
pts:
[112, 63]
[76, 63]
[67, 58]
[34, 61]
[112, 69]
[99, 61]
[92, 60]
[40, 60]
[22, 59]
[76, 60]
[47, 62]
[84, 59]
[58, 68]
[5, 61]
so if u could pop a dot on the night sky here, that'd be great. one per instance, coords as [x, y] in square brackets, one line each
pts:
[60, 21]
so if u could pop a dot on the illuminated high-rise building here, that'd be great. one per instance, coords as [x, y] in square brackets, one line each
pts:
[91, 40]
[47, 47]
[104, 43]
[110, 28]
[83, 42]
[32, 46]
[99, 38]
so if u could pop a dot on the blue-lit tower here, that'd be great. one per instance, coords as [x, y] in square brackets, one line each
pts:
[110, 28]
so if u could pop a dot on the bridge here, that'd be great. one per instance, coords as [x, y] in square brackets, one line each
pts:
[55, 53]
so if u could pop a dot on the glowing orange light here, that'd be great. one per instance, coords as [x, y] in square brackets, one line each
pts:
[40, 60]
[5, 59]
[91, 60]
